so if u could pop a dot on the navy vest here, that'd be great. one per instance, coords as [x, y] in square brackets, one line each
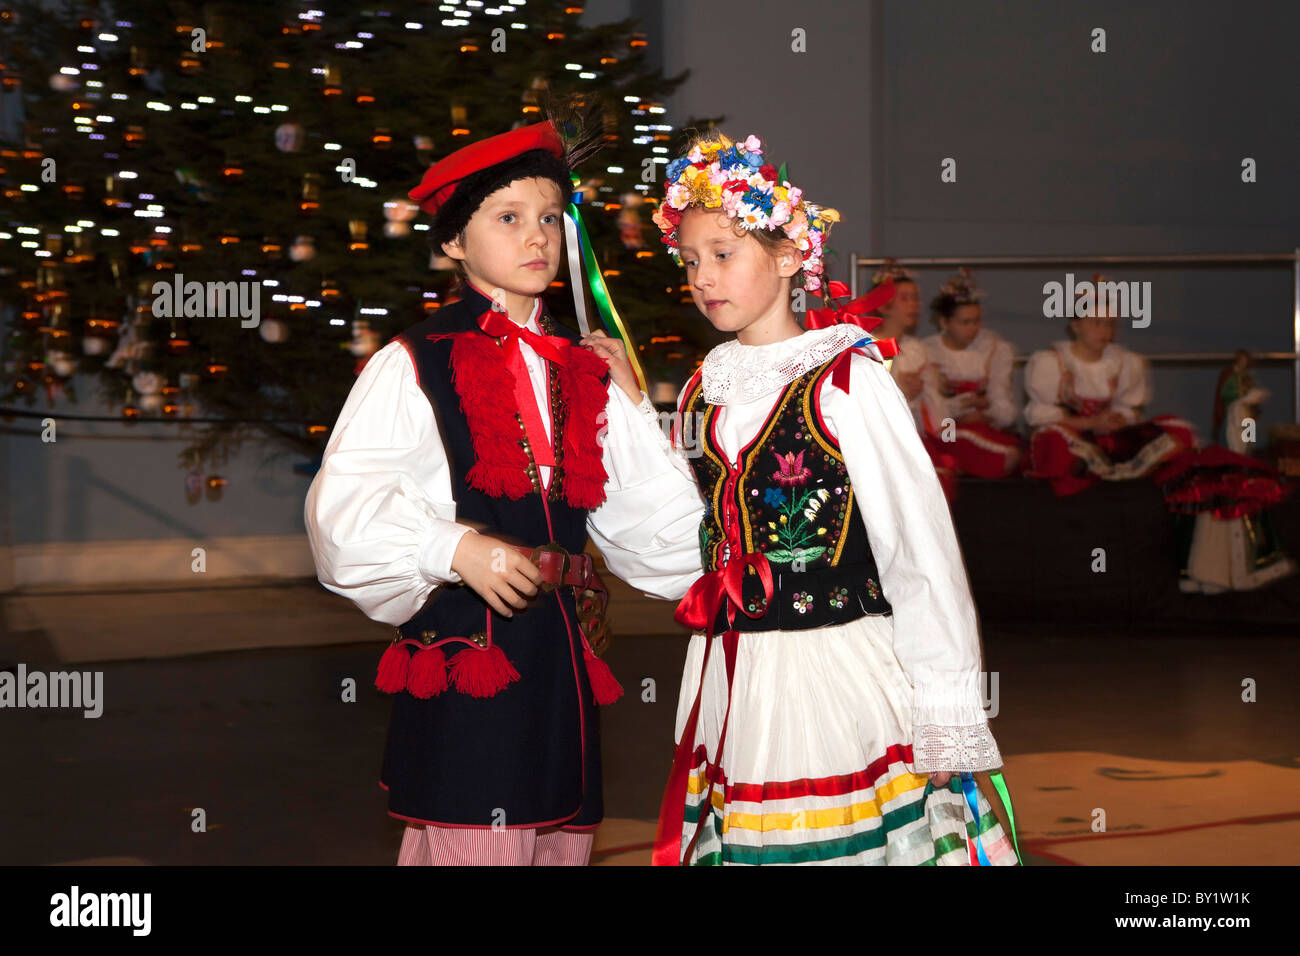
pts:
[789, 497]
[529, 756]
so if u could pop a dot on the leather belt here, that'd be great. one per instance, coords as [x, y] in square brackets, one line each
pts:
[559, 567]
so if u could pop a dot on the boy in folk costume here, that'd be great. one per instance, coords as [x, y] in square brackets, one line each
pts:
[454, 499]
[830, 708]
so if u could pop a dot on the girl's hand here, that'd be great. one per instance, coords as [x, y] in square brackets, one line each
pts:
[941, 778]
[614, 354]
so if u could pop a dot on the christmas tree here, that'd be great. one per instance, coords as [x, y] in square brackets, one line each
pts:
[264, 152]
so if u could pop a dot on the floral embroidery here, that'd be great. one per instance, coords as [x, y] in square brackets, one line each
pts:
[795, 530]
[792, 471]
[872, 588]
[839, 598]
[803, 602]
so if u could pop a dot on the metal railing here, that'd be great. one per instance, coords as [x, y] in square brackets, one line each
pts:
[857, 263]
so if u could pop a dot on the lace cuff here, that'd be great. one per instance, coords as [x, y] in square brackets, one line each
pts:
[648, 409]
[941, 748]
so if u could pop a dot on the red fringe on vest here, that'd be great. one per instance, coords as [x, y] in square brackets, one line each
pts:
[486, 390]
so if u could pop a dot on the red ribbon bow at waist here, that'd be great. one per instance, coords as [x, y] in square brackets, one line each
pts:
[854, 313]
[699, 610]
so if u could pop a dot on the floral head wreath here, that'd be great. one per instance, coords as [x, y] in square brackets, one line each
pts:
[891, 270]
[733, 177]
[962, 288]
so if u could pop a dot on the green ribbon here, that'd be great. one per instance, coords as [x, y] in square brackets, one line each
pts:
[610, 318]
[1000, 785]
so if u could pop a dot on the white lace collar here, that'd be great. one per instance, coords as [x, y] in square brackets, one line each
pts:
[735, 373]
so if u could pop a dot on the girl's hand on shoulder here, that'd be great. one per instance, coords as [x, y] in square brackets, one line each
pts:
[615, 356]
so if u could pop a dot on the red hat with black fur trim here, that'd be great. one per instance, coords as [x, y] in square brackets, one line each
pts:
[440, 180]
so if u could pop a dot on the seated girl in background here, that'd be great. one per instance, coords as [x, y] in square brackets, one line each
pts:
[1085, 403]
[968, 399]
[899, 318]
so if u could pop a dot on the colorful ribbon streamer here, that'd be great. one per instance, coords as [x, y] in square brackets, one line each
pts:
[1001, 787]
[968, 788]
[580, 248]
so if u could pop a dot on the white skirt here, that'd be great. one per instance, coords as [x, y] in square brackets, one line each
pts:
[817, 765]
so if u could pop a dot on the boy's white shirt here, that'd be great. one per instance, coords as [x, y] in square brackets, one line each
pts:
[381, 519]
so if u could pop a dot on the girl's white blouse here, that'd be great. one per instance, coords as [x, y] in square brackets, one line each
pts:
[935, 629]
[1120, 375]
[989, 357]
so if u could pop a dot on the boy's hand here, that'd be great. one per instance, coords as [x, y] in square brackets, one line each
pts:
[614, 354]
[497, 572]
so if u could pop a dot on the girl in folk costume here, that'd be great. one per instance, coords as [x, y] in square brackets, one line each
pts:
[831, 708]
[454, 501]
[968, 401]
[899, 318]
[910, 367]
[1085, 403]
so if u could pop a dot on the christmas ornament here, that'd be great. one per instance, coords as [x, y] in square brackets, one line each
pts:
[147, 383]
[303, 249]
[273, 330]
[289, 137]
[357, 228]
[64, 364]
[398, 213]
[630, 226]
[365, 340]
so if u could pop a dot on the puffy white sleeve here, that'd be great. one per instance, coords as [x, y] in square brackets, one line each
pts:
[379, 513]
[648, 527]
[936, 634]
[1042, 383]
[1133, 390]
[1002, 404]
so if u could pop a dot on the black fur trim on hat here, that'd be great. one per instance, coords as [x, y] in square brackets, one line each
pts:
[471, 191]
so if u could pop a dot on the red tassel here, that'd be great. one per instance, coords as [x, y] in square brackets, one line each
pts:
[604, 686]
[428, 673]
[482, 673]
[393, 668]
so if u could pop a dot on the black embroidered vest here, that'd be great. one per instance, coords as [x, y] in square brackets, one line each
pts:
[789, 497]
[530, 755]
